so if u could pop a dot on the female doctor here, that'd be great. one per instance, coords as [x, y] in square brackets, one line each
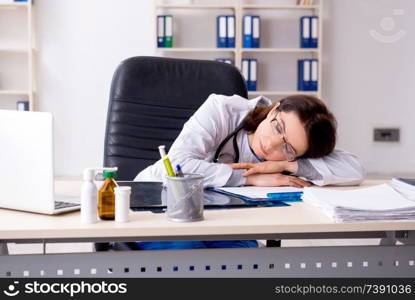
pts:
[233, 141]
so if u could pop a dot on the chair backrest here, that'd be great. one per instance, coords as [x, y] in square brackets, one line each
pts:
[150, 100]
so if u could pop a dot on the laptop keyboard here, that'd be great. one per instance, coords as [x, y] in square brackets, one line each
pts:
[62, 204]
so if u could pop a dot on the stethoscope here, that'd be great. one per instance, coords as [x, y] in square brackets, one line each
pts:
[233, 135]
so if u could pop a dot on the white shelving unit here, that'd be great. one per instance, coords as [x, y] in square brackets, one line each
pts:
[239, 8]
[23, 50]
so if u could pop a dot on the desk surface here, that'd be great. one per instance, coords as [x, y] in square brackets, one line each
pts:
[297, 218]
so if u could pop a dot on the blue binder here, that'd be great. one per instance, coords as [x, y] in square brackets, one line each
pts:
[221, 31]
[247, 31]
[303, 75]
[245, 70]
[253, 71]
[250, 72]
[255, 31]
[305, 34]
[314, 32]
[230, 31]
[160, 31]
[314, 75]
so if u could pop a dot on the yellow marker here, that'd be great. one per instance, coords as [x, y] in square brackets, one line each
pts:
[166, 161]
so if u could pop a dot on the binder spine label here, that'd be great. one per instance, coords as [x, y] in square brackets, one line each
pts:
[252, 83]
[314, 75]
[245, 69]
[314, 32]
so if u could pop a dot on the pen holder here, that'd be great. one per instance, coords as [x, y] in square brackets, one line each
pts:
[185, 198]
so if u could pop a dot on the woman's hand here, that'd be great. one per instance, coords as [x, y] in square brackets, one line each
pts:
[266, 167]
[275, 180]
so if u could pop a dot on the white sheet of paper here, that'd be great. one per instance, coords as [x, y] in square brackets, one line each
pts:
[375, 198]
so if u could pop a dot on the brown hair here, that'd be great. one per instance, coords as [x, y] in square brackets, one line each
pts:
[319, 123]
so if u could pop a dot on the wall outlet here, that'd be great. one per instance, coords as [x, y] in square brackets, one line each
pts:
[386, 134]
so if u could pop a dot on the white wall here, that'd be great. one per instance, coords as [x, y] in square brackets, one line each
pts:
[80, 43]
[370, 83]
[367, 83]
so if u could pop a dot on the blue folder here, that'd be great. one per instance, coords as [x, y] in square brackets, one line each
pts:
[305, 32]
[313, 32]
[313, 75]
[303, 81]
[230, 31]
[271, 200]
[255, 32]
[221, 31]
[247, 31]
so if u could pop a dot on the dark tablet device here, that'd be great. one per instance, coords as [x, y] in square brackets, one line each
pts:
[152, 195]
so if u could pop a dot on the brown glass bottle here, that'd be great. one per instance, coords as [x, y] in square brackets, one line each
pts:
[106, 197]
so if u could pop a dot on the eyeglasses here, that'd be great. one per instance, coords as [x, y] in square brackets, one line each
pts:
[287, 149]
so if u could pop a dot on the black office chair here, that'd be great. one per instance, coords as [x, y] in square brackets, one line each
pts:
[150, 100]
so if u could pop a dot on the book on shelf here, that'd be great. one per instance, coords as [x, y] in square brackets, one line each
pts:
[22, 105]
[251, 31]
[225, 31]
[307, 74]
[309, 32]
[165, 31]
[230, 31]
[250, 72]
[305, 2]
[225, 60]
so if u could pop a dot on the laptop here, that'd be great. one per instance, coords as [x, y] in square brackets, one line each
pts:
[26, 162]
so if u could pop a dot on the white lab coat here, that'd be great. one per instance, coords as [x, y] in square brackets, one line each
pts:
[219, 115]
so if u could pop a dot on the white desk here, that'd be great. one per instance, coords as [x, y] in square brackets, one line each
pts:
[296, 221]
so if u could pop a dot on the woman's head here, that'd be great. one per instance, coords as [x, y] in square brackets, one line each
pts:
[296, 126]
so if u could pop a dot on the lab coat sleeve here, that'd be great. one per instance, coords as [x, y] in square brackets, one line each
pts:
[200, 136]
[337, 168]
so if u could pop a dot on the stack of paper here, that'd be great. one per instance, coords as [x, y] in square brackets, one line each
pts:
[405, 186]
[377, 203]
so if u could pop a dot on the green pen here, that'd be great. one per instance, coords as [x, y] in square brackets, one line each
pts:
[166, 161]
